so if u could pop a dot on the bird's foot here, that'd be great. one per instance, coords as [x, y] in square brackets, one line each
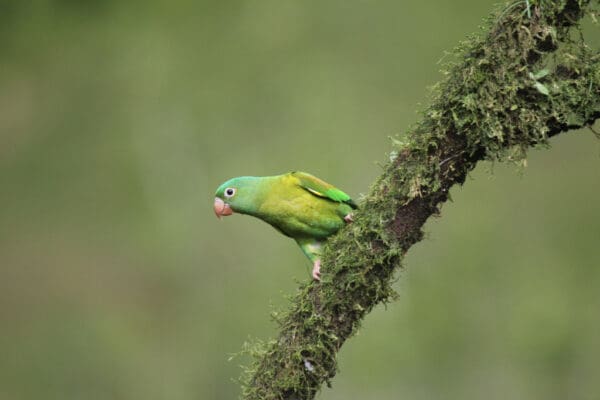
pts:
[316, 272]
[349, 218]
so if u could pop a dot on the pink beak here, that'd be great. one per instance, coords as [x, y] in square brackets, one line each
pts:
[222, 209]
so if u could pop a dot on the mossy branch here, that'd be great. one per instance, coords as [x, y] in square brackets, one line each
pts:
[530, 76]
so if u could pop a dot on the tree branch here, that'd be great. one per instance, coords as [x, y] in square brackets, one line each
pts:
[526, 80]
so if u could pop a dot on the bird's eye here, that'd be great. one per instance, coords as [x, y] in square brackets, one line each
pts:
[229, 192]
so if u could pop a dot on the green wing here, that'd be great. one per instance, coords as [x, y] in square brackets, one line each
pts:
[321, 188]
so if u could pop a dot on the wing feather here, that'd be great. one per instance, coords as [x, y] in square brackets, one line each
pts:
[320, 188]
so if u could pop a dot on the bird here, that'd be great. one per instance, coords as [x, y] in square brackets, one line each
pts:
[297, 204]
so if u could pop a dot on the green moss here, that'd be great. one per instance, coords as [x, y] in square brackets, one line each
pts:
[527, 79]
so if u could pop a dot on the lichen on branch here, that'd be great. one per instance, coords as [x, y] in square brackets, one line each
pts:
[528, 77]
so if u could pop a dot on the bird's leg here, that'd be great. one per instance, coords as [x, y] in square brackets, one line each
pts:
[316, 272]
[312, 249]
[349, 218]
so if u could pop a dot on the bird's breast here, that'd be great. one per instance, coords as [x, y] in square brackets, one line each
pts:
[302, 215]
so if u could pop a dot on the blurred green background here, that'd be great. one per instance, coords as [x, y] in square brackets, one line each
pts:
[118, 120]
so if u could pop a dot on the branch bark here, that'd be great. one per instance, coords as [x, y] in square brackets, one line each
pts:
[526, 80]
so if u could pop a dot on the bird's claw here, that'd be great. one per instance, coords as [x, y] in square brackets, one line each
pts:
[316, 272]
[349, 218]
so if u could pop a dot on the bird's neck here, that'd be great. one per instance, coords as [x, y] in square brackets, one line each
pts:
[256, 194]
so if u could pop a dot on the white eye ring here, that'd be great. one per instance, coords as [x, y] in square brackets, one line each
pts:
[229, 192]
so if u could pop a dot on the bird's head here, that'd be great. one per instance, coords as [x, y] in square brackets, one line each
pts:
[237, 195]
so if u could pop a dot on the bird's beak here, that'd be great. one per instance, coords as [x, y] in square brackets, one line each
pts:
[222, 209]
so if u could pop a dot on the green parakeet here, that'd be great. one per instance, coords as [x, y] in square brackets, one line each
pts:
[297, 204]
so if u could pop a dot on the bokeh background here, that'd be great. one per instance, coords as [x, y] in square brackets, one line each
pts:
[118, 120]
